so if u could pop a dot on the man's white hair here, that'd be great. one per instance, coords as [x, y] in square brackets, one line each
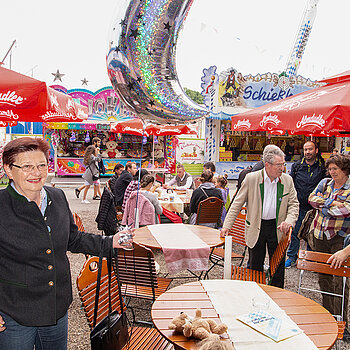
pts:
[270, 152]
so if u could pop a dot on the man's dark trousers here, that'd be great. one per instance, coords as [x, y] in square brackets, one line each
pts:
[267, 236]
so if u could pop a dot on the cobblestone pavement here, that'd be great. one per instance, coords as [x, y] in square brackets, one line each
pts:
[78, 338]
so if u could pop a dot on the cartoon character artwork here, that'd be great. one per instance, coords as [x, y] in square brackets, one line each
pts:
[231, 88]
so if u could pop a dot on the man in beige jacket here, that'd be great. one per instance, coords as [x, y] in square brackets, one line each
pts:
[272, 208]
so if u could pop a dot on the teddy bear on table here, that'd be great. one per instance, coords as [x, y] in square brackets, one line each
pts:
[197, 327]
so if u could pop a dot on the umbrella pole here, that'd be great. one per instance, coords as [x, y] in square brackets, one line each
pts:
[153, 154]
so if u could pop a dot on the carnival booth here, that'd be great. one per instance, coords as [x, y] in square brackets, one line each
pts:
[69, 141]
[234, 146]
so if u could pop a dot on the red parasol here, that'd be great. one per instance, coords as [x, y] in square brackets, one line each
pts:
[23, 98]
[136, 127]
[323, 111]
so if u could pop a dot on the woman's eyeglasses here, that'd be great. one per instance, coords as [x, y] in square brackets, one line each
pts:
[30, 168]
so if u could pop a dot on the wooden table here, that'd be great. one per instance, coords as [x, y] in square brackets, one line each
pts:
[209, 235]
[318, 324]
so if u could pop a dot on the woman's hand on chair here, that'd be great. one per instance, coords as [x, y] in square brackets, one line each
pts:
[224, 232]
[2, 324]
[338, 258]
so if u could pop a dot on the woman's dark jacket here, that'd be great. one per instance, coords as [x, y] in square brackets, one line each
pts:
[198, 196]
[35, 279]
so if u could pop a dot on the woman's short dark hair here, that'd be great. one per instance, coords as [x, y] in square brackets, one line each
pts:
[143, 173]
[210, 166]
[146, 180]
[207, 176]
[24, 144]
[340, 160]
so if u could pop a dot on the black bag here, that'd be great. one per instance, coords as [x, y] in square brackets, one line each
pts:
[112, 332]
[94, 177]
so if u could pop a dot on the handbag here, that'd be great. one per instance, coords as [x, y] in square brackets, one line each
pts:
[112, 332]
[304, 231]
[94, 177]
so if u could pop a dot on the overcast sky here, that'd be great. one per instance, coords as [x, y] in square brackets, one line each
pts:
[254, 36]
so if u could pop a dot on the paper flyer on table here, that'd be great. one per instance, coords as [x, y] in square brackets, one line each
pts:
[269, 325]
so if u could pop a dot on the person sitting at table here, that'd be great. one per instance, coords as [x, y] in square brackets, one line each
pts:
[123, 181]
[206, 189]
[147, 183]
[118, 169]
[221, 183]
[210, 166]
[182, 181]
[133, 185]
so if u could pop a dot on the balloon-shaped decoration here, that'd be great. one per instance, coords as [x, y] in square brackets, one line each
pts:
[141, 60]
[72, 138]
[144, 139]
[87, 137]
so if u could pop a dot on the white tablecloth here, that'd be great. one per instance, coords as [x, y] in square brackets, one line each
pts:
[232, 298]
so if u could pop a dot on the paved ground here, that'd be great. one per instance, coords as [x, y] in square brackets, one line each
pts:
[78, 329]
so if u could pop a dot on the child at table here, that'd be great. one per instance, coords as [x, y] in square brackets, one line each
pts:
[221, 183]
[215, 344]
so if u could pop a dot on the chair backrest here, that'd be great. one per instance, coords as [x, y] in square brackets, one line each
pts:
[209, 211]
[280, 252]
[86, 284]
[79, 222]
[137, 267]
[317, 262]
[237, 230]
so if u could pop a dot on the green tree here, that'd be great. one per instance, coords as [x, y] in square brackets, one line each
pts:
[194, 96]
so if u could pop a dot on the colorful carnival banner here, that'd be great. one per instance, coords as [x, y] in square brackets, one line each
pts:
[103, 105]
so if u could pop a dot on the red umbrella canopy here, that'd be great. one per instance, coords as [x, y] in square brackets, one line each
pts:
[23, 98]
[137, 127]
[131, 126]
[322, 111]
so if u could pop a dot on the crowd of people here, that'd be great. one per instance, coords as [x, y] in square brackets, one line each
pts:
[40, 229]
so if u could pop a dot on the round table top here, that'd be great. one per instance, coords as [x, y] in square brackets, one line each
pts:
[209, 235]
[317, 323]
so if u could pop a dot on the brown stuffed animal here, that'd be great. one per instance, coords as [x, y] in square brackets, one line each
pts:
[178, 322]
[202, 329]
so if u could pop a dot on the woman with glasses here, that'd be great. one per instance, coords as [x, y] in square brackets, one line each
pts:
[331, 199]
[36, 231]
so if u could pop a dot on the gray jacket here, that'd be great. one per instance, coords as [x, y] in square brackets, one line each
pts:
[92, 169]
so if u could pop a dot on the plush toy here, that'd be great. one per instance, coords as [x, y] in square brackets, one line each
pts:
[197, 327]
[111, 150]
[178, 322]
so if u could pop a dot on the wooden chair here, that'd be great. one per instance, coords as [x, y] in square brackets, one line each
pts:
[140, 337]
[79, 222]
[244, 274]
[238, 236]
[137, 273]
[317, 262]
[209, 211]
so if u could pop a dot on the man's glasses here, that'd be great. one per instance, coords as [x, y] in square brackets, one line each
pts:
[30, 168]
[279, 165]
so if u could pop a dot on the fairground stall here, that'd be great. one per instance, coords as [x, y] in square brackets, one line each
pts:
[69, 141]
[230, 93]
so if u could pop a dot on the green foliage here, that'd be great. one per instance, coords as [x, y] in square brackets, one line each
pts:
[194, 96]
